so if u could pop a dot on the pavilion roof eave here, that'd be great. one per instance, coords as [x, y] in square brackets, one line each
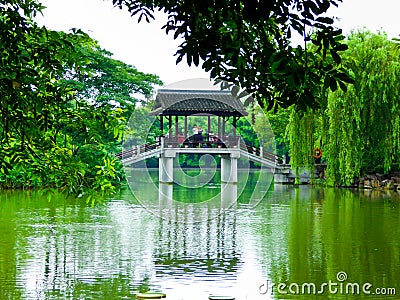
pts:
[202, 114]
[156, 112]
[206, 103]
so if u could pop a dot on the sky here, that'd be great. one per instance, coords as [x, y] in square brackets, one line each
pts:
[150, 50]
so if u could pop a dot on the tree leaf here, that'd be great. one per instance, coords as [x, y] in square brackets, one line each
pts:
[333, 84]
[324, 20]
[336, 57]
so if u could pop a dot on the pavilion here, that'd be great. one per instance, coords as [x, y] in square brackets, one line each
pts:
[171, 105]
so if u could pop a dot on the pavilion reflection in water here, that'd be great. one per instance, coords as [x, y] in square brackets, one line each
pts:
[207, 248]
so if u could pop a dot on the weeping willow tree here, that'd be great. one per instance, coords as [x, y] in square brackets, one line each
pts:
[359, 127]
[364, 121]
[344, 146]
[301, 137]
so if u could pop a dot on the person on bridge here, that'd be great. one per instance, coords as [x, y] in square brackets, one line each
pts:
[195, 135]
[200, 135]
[210, 139]
[195, 130]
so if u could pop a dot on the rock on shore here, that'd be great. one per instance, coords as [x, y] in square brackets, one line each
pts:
[380, 181]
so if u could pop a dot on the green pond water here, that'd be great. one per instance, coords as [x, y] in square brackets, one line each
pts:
[57, 248]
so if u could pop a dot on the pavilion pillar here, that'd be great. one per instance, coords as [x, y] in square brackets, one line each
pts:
[166, 169]
[186, 128]
[234, 125]
[166, 164]
[219, 127]
[162, 124]
[176, 127]
[229, 169]
[223, 128]
[170, 126]
[208, 125]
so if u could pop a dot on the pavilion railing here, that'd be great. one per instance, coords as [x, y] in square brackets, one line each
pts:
[203, 141]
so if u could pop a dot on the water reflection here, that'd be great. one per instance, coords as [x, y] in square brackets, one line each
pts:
[52, 247]
[168, 207]
[201, 201]
[199, 191]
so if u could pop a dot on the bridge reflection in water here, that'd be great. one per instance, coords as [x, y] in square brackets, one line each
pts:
[228, 194]
[198, 190]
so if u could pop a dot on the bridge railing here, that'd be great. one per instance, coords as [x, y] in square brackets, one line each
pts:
[137, 150]
[229, 142]
[260, 152]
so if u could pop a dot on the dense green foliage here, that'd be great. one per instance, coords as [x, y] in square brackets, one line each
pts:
[63, 104]
[358, 127]
[248, 43]
[278, 121]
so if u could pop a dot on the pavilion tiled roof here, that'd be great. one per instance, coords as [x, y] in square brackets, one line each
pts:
[190, 102]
